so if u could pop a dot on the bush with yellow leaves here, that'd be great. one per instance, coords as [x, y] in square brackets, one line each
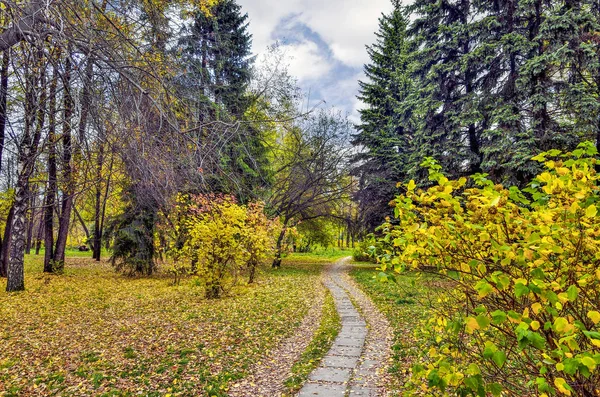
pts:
[521, 314]
[218, 240]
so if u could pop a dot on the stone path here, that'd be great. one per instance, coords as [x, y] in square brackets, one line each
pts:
[350, 367]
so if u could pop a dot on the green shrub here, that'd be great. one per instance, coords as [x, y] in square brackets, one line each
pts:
[365, 251]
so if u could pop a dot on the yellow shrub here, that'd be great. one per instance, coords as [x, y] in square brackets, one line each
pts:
[218, 240]
[522, 314]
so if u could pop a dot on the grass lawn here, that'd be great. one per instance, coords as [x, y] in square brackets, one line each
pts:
[320, 257]
[404, 304]
[94, 332]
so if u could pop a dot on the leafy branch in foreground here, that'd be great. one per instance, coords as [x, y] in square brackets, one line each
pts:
[521, 314]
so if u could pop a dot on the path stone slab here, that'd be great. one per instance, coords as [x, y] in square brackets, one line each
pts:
[354, 321]
[345, 333]
[363, 375]
[337, 350]
[357, 333]
[331, 375]
[340, 361]
[350, 342]
[322, 390]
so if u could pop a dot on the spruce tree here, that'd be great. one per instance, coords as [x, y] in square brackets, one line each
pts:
[217, 53]
[216, 50]
[383, 134]
[481, 86]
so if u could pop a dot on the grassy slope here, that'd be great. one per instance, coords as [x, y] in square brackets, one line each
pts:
[93, 332]
[404, 305]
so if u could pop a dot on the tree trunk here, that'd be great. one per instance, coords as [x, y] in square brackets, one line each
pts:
[40, 234]
[82, 222]
[34, 110]
[52, 189]
[6, 242]
[3, 100]
[97, 245]
[16, 266]
[253, 265]
[30, 224]
[67, 203]
[105, 201]
[278, 249]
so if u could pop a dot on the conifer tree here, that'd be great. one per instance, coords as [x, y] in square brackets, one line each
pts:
[217, 52]
[384, 133]
[492, 84]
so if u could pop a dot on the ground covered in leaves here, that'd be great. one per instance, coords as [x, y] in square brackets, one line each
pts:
[319, 346]
[94, 332]
[404, 303]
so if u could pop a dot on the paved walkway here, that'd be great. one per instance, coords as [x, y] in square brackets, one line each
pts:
[347, 369]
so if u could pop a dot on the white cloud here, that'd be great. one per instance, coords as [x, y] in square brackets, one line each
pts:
[306, 61]
[347, 26]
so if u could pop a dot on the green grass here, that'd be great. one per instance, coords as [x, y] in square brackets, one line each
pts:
[91, 331]
[323, 339]
[404, 303]
[318, 257]
[73, 252]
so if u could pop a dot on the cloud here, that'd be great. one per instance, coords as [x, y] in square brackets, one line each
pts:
[347, 26]
[307, 62]
[326, 39]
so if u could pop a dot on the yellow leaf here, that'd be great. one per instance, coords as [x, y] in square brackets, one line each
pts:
[545, 177]
[594, 316]
[562, 386]
[536, 307]
[472, 325]
[563, 298]
[591, 211]
[561, 324]
[535, 325]
[589, 362]
[411, 185]
[574, 207]
[560, 366]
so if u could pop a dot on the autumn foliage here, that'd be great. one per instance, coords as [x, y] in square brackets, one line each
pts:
[519, 313]
[218, 240]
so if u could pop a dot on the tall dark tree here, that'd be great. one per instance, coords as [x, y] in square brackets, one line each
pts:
[217, 53]
[491, 84]
[384, 133]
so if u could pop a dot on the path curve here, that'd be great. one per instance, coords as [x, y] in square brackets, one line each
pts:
[356, 363]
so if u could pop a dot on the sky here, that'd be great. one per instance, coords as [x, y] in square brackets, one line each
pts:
[325, 41]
